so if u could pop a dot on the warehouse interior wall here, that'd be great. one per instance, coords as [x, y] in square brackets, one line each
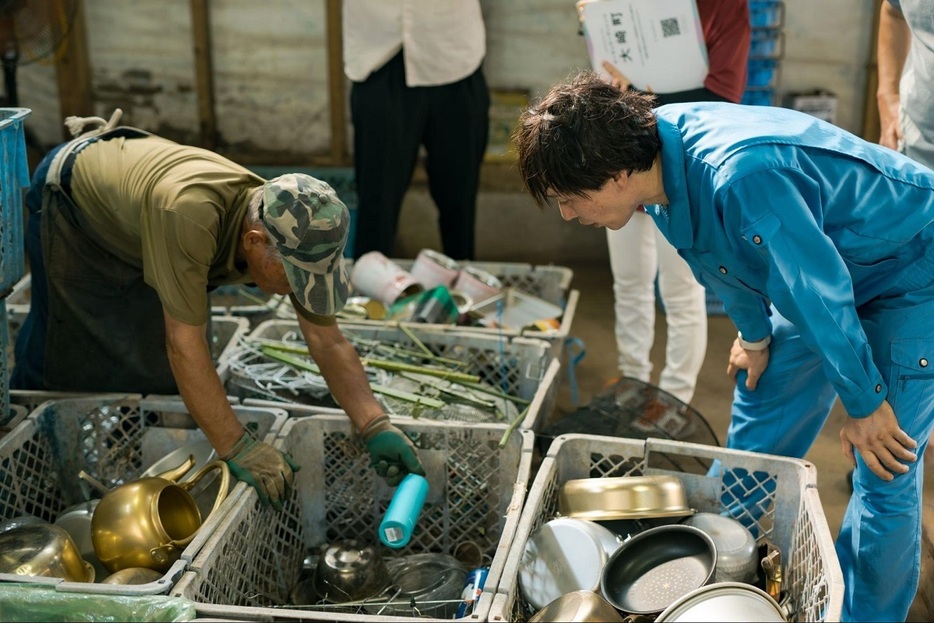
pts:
[273, 103]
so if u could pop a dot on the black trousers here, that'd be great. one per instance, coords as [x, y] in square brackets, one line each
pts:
[391, 121]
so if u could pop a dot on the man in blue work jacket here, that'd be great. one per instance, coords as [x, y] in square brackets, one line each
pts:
[821, 246]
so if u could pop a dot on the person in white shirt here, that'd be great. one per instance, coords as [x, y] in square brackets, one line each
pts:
[417, 81]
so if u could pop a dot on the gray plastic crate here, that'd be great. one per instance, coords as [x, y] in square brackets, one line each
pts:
[786, 510]
[113, 438]
[549, 283]
[518, 366]
[225, 330]
[255, 557]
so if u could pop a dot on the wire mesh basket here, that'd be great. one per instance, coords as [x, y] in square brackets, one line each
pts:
[251, 566]
[633, 409]
[775, 497]
[114, 438]
[478, 379]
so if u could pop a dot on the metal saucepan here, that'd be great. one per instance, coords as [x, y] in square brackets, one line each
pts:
[562, 556]
[737, 552]
[724, 601]
[578, 606]
[656, 567]
[626, 497]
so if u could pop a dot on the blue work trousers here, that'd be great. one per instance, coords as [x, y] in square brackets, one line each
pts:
[879, 545]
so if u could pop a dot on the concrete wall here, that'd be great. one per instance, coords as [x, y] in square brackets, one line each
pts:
[270, 82]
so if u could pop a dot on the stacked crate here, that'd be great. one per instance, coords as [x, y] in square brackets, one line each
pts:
[766, 50]
[14, 177]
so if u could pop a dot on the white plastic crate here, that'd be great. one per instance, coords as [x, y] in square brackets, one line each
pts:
[255, 557]
[549, 283]
[517, 366]
[113, 438]
[775, 497]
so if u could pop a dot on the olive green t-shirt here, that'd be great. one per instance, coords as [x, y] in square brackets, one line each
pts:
[172, 210]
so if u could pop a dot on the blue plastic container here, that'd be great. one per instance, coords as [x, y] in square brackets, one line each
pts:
[398, 523]
[766, 13]
[14, 176]
[758, 97]
[761, 73]
[767, 44]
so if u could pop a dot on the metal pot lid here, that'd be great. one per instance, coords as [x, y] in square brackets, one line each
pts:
[724, 601]
[562, 556]
[624, 497]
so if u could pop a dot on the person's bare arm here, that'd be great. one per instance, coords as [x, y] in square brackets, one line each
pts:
[893, 44]
[341, 368]
[199, 385]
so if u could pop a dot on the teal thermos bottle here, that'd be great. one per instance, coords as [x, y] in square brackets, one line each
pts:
[404, 508]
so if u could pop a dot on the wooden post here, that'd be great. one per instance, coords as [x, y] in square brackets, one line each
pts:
[337, 98]
[204, 72]
[72, 67]
[871, 126]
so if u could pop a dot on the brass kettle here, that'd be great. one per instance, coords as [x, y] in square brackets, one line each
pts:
[149, 521]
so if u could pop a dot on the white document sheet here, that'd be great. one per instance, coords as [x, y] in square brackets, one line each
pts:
[657, 44]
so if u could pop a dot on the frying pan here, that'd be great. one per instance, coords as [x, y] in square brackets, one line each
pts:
[656, 567]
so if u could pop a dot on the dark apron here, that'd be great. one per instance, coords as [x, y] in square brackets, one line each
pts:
[105, 330]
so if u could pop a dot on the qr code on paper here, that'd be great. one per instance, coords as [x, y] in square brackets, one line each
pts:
[670, 27]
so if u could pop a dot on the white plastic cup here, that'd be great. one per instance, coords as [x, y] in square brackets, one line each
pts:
[376, 276]
[477, 285]
[433, 269]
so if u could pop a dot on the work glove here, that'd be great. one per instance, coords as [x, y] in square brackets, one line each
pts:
[392, 454]
[264, 468]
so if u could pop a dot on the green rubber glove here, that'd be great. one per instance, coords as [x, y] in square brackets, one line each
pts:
[264, 468]
[392, 454]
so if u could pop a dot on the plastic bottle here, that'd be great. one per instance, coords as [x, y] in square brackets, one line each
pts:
[406, 505]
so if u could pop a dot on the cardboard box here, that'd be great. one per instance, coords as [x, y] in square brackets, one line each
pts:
[821, 104]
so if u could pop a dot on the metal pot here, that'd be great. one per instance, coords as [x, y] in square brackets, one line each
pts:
[562, 556]
[626, 497]
[737, 552]
[149, 521]
[349, 571]
[578, 606]
[76, 520]
[43, 550]
[133, 576]
[724, 601]
[656, 567]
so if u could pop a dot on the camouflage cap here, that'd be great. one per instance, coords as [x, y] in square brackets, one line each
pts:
[309, 225]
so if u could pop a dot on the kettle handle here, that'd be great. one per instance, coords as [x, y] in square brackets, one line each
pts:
[224, 486]
[221, 494]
